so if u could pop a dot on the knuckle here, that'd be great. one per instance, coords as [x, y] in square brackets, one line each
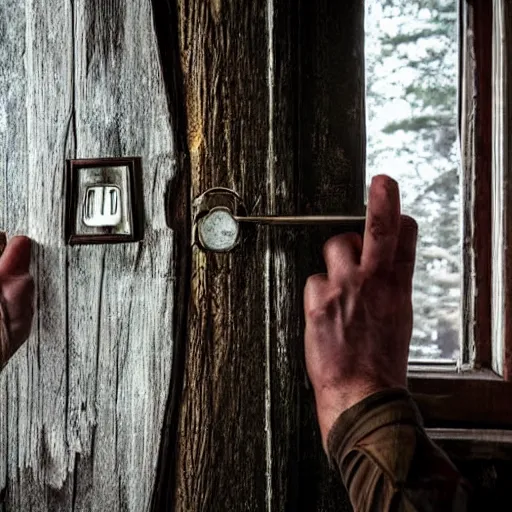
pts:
[346, 245]
[314, 284]
[379, 227]
[313, 290]
[316, 313]
[323, 307]
[333, 245]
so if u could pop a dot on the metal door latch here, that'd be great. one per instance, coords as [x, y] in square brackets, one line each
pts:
[218, 213]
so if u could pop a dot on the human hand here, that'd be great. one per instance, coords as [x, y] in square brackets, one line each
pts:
[16, 295]
[359, 315]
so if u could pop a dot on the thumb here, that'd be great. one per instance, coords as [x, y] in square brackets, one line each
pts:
[16, 258]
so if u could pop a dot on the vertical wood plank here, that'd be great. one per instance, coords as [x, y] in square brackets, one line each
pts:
[82, 403]
[332, 121]
[499, 166]
[244, 403]
[165, 20]
[331, 164]
[37, 388]
[285, 370]
[13, 122]
[476, 140]
[13, 178]
[121, 338]
[502, 193]
[221, 440]
[482, 200]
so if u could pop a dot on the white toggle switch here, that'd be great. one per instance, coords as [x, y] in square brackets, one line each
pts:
[102, 206]
[104, 201]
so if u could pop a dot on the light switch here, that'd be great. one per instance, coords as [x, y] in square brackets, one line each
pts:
[102, 206]
[104, 201]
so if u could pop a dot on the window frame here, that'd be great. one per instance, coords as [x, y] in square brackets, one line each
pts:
[478, 393]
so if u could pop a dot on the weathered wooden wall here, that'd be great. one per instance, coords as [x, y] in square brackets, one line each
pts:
[266, 98]
[262, 99]
[82, 404]
[273, 103]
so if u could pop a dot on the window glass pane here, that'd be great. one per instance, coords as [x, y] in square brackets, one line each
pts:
[412, 77]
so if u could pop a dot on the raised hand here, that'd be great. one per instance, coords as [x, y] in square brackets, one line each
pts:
[359, 315]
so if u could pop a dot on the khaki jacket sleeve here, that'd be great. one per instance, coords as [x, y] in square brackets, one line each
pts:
[388, 463]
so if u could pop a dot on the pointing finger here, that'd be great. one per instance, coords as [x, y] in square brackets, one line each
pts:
[382, 225]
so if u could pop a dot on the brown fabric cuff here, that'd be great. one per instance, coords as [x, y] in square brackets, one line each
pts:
[391, 406]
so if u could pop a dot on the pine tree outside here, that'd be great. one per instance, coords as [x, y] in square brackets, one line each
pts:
[412, 119]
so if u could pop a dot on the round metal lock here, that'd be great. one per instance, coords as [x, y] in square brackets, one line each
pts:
[216, 227]
[218, 231]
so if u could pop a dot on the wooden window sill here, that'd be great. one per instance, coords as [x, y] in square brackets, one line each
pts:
[474, 444]
[473, 399]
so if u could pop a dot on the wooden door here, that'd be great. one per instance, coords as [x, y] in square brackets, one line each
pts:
[160, 377]
[272, 107]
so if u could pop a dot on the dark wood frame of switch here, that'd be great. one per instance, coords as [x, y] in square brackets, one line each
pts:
[134, 165]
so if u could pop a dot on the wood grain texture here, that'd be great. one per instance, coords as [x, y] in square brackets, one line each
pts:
[502, 192]
[221, 449]
[85, 399]
[273, 112]
[463, 401]
[36, 401]
[284, 354]
[331, 167]
[13, 194]
[474, 444]
[500, 160]
[165, 20]
[476, 139]
[121, 374]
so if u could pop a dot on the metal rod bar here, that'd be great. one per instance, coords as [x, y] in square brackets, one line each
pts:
[299, 220]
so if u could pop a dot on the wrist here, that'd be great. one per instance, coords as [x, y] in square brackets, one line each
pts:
[331, 403]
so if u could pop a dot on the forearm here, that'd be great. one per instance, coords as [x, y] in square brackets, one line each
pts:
[388, 463]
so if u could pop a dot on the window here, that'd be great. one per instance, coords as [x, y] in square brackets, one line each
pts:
[412, 69]
[448, 147]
